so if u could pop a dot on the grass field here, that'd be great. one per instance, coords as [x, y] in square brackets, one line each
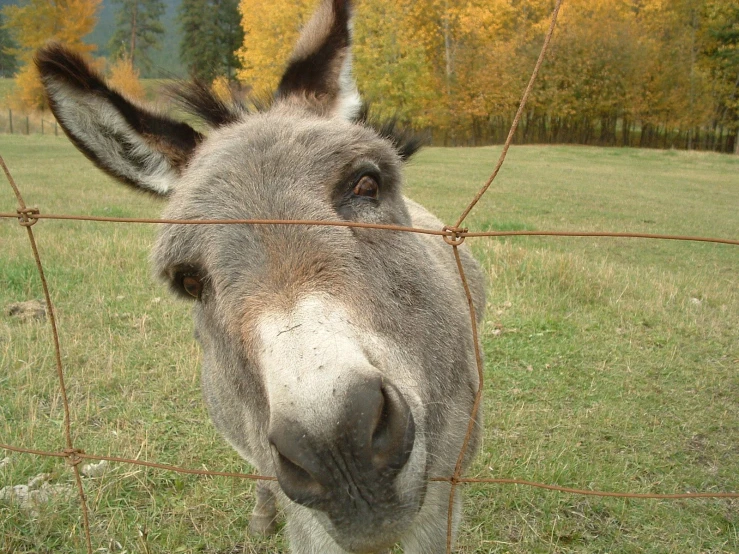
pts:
[610, 364]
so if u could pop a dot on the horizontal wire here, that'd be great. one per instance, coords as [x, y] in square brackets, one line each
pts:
[400, 228]
[464, 480]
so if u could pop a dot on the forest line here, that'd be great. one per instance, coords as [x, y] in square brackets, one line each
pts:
[644, 73]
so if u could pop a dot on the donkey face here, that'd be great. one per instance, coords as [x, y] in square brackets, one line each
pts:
[326, 356]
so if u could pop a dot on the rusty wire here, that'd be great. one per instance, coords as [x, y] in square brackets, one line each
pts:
[82, 455]
[478, 394]
[27, 217]
[517, 118]
[26, 220]
[455, 241]
[452, 235]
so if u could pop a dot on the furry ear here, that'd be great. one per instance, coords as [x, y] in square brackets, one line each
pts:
[320, 68]
[131, 143]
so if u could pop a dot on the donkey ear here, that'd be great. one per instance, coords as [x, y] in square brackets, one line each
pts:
[320, 68]
[131, 143]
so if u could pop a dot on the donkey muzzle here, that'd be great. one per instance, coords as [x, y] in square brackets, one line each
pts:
[346, 464]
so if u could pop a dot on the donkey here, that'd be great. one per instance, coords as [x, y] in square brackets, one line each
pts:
[334, 358]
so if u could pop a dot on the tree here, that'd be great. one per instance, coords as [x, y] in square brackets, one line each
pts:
[391, 72]
[271, 28]
[125, 78]
[722, 56]
[197, 50]
[138, 30]
[211, 35]
[8, 61]
[591, 82]
[634, 72]
[230, 38]
[39, 21]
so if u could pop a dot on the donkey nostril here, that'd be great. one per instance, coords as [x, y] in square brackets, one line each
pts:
[369, 437]
[298, 473]
[394, 434]
[297, 483]
[381, 433]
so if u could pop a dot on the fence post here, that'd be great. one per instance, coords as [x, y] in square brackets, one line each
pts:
[10, 118]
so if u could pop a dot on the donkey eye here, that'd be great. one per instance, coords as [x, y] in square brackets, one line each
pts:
[366, 187]
[192, 285]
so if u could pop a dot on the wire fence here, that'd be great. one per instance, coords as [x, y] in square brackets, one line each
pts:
[24, 123]
[454, 235]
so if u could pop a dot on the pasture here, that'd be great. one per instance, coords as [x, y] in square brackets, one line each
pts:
[611, 364]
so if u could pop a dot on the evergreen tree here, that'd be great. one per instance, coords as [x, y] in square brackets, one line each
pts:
[211, 34]
[8, 61]
[231, 36]
[138, 30]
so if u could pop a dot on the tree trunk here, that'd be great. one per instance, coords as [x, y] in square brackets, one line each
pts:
[133, 31]
[448, 70]
[693, 56]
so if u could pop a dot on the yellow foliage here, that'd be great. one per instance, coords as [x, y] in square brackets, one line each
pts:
[391, 71]
[407, 56]
[125, 79]
[222, 88]
[28, 92]
[37, 22]
[460, 67]
[271, 28]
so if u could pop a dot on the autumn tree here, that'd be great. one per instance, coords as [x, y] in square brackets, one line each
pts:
[721, 51]
[211, 36]
[38, 21]
[124, 78]
[271, 28]
[641, 73]
[392, 71]
[591, 83]
[138, 30]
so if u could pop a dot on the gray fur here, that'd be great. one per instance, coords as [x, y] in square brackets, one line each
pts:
[399, 296]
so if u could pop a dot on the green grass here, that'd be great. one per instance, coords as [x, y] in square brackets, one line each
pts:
[610, 364]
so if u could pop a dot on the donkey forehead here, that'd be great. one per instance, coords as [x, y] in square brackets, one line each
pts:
[257, 158]
[282, 164]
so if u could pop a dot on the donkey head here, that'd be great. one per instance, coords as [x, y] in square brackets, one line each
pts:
[323, 363]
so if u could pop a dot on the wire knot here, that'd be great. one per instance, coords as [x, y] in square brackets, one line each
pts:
[454, 235]
[73, 455]
[27, 216]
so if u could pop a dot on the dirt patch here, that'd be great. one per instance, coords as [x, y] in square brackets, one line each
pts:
[31, 310]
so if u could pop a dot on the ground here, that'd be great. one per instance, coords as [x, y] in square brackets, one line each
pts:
[610, 364]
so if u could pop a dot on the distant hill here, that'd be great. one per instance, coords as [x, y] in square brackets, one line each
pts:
[166, 60]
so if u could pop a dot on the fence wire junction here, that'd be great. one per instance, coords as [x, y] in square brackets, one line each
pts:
[454, 236]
